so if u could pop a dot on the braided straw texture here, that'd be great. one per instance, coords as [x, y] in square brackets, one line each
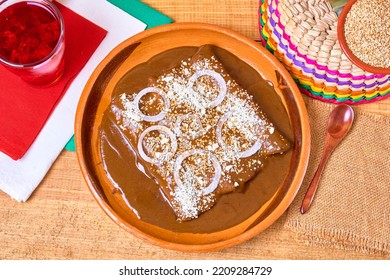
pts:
[302, 34]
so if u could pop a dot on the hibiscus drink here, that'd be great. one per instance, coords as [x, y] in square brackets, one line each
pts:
[32, 40]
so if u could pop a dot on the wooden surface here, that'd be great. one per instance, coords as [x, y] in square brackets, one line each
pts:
[62, 221]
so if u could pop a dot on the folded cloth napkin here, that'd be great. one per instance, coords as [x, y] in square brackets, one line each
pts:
[24, 109]
[20, 178]
[351, 209]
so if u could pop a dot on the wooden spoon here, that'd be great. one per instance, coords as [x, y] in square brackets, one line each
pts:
[339, 123]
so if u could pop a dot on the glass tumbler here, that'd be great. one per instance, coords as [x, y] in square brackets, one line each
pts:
[32, 41]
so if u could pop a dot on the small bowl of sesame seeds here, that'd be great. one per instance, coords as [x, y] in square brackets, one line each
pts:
[364, 34]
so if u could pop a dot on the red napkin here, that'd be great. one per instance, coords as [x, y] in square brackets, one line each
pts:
[24, 109]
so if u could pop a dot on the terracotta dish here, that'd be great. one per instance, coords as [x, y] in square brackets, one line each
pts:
[344, 46]
[137, 50]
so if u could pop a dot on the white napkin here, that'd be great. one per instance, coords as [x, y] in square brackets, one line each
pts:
[20, 178]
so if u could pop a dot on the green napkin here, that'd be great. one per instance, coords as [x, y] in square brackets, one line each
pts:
[70, 145]
[144, 13]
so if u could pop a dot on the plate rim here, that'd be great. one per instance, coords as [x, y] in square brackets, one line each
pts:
[251, 232]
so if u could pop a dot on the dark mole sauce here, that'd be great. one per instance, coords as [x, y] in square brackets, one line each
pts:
[142, 193]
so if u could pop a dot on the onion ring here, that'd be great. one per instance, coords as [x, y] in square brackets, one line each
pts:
[217, 167]
[157, 117]
[164, 130]
[218, 79]
[243, 154]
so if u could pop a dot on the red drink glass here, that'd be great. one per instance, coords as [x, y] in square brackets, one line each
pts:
[32, 40]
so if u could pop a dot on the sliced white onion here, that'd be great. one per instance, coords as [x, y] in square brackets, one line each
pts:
[181, 118]
[165, 122]
[157, 117]
[243, 154]
[217, 168]
[164, 130]
[220, 81]
[251, 151]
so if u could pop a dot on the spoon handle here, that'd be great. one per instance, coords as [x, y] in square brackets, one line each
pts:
[311, 190]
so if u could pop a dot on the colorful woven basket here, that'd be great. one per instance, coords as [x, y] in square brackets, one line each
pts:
[302, 34]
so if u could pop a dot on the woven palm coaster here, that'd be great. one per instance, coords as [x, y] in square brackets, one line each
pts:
[302, 34]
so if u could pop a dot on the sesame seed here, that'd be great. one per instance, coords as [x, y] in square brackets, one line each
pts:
[367, 31]
[195, 122]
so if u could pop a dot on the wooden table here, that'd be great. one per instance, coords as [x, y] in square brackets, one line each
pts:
[62, 221]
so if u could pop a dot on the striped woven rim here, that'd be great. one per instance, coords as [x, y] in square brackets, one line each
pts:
[302, 34]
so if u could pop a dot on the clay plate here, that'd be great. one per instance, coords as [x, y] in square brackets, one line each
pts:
[139, 49]
[344, 46]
